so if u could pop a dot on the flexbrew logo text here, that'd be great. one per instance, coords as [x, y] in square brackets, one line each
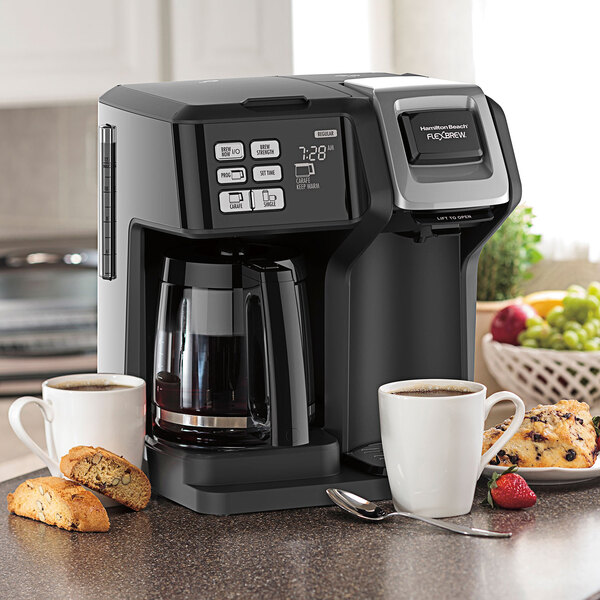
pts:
[445, 132]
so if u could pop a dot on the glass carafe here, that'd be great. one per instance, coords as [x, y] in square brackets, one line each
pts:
[223, 369]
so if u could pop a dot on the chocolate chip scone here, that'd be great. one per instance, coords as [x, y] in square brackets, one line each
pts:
[59, 502]
[107, 473]
[557, 435]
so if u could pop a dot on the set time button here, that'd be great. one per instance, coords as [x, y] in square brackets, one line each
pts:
[266, 173]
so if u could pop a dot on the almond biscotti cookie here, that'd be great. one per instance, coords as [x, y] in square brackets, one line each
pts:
[56, 501]
[107, 473]
[557, 435]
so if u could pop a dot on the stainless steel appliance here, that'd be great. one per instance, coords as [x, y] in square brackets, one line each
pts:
[385, 186]
[47, 313]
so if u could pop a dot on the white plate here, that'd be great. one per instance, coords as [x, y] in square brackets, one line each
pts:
[550, 475]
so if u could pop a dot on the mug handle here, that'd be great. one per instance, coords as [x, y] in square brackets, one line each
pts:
[14, 418]
[512, 428]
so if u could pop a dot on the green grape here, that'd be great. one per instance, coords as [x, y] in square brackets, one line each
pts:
[593, 303]
[554, 314]
[535, 332]
[582, 335]
[531, 321]
[576, 290]
[529, 343]
[572, 326]
[546, 331]
[571, 339]
[594, 288]
[592, 345]
[523, 336]
[559, 322]
[591, 329]
[557, 341]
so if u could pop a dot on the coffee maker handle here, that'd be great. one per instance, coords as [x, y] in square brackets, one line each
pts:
[286, 376]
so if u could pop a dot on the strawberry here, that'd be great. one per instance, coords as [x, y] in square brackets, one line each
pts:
[509, 490]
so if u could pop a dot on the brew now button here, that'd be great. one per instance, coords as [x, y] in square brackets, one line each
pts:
[264, 149]
[229, 151]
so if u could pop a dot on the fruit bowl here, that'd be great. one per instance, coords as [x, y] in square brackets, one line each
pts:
[542, 376]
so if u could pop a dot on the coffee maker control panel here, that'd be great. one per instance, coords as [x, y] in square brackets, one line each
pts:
[276, 171]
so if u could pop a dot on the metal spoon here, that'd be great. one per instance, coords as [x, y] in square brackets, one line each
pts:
[372, 512]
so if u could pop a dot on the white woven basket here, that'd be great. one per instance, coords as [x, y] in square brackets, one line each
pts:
[543, 376]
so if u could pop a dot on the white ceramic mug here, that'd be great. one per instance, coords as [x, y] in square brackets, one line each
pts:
[114, 419]
[432, 444]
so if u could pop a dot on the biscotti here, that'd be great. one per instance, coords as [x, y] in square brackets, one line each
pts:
[59, 502]
[107, 473]
[557, 435]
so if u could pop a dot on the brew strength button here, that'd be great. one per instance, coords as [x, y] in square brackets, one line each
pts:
[260, 149]
[231, 175]
[235, 201]
[266, 173]
[229, 151]
[268, 199]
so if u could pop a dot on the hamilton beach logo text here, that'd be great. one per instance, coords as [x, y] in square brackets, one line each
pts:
[445, 132]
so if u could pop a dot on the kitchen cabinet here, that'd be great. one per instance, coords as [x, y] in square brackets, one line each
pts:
[74, 50]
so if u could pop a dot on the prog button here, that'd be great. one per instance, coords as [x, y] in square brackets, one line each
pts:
[231, 175]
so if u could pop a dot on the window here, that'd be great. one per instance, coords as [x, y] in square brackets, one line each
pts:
[539, 59]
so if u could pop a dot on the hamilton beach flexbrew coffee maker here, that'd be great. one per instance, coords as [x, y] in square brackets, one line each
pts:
[274, 249]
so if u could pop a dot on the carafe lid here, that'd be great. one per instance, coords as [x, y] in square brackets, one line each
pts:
[220, 273]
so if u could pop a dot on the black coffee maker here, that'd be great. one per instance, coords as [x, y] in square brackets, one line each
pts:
[274, 249]
[232, 351]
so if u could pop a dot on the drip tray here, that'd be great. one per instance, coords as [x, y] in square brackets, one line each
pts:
[256, 480]
[319, 458]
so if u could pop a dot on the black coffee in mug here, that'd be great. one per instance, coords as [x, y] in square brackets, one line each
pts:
[91, 386]
[433, 392]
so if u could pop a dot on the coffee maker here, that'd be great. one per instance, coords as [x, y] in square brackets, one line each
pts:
[274, 249]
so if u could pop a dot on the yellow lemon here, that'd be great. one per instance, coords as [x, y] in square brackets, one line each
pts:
[543, 302]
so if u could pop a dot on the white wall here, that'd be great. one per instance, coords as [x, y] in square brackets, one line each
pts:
[434, 38]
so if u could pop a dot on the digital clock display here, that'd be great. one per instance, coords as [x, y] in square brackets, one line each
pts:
[313, 153]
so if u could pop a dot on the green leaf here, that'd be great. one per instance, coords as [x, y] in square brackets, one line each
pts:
[596, 422]
[507, 257]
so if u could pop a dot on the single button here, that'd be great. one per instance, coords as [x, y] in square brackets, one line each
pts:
[229, 151]
[267, 173]
[235, 201]
[264, 149]
[107, 246]
[232, 175]
[268, 199]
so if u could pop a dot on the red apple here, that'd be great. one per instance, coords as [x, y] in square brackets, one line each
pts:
[510, 321]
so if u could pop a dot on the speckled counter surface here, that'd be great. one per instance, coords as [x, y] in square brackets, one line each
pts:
[169, 552]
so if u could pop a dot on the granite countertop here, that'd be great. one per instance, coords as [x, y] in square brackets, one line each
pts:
[167, 551]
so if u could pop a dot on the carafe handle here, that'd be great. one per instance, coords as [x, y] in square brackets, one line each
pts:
[285, 370]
